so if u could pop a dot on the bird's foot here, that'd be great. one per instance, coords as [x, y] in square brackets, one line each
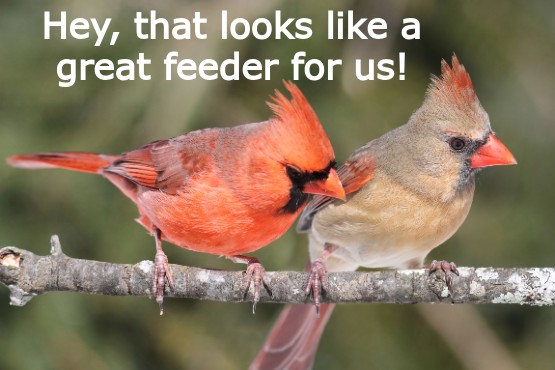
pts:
[162, 273]
[317, 282]
[257, 274]
[448, 268]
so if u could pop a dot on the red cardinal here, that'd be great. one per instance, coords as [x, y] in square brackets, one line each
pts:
[408, 192]
[224, 191]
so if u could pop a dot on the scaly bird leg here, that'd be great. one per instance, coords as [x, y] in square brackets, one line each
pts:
[255, 273]
[448, 269]
[162, 272]
[318, 279]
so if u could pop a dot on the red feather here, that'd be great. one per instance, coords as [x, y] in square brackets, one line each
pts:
[454, 84]
[354, 174]
[76, 161]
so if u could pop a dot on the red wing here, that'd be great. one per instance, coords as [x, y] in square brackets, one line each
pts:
[180, 159]
[141, 173]
[165, 165]
[137, 166]
[354, 174]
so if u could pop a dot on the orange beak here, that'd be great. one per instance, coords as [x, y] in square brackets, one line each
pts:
[331, 186]
[492, 153]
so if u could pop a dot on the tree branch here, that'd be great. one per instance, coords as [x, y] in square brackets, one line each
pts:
[28, 275]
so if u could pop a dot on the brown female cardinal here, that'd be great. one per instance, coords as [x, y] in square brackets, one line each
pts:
[224, 191]
[408, 192]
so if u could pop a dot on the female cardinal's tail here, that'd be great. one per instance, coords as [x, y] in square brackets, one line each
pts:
[76, 161]
[293, 341]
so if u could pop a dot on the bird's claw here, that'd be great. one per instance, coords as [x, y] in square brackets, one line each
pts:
[162, 273]
[448, 268]
[257, 274]
[317, 282]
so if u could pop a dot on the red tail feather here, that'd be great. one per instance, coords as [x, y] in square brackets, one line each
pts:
[76, 161]
[294, 339]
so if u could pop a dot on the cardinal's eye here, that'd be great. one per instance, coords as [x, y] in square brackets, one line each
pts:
[457, 143]
[293, 172]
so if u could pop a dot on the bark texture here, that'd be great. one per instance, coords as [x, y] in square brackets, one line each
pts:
[28, 275]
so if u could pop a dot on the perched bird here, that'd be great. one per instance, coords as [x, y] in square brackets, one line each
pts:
[223, 191]
[408, 191]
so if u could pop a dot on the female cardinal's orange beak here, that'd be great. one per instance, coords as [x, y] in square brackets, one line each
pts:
[492, 153]
[331, 186]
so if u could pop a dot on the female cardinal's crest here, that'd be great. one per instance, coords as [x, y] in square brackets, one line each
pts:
[454, 84]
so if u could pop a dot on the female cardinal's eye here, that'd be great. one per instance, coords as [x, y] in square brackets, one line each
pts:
[457, 143]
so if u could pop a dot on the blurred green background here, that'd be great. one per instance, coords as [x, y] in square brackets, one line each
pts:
[508, 48]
